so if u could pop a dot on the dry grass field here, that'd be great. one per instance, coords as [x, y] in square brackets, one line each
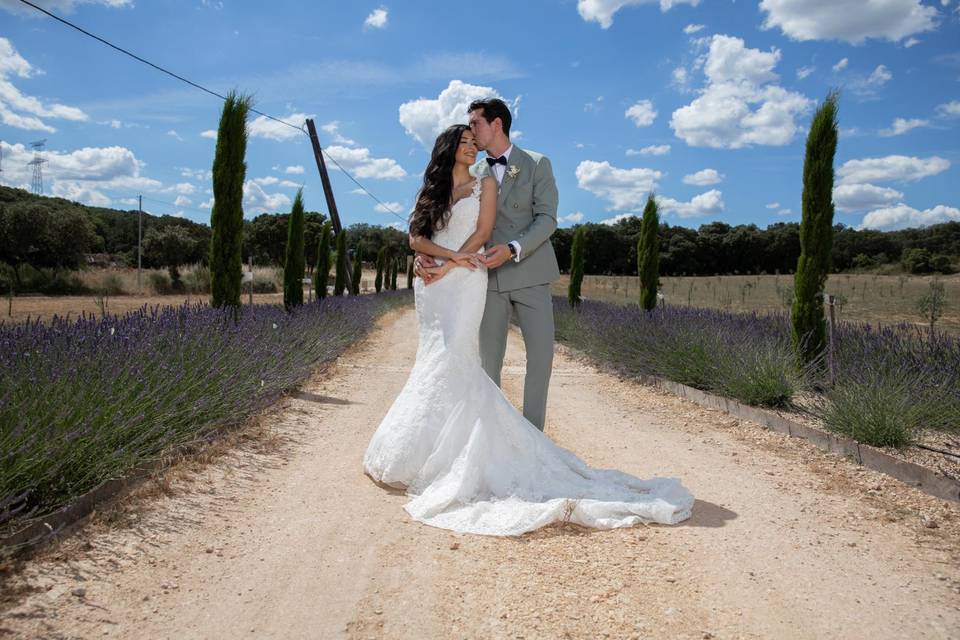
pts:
[869, 298]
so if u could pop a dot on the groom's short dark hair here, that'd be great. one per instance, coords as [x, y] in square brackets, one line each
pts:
[494, 108]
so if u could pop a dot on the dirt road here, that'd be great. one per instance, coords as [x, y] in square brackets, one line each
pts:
[283, 536]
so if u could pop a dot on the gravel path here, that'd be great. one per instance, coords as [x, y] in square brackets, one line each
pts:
[280, 535]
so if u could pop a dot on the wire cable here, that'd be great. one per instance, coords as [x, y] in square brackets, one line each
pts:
[210, 91]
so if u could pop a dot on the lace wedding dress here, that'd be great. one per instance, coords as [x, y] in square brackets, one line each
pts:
[469, 460]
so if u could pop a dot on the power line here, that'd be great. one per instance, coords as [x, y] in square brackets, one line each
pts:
[210, 91]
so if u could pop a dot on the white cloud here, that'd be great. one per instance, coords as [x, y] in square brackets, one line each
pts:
[333, 129]
[861, 197]
[893, 168]
[949, 110]
[912, 42]
[903, 216]
[602, 11]
[738, 107]
[359, 162]
[377, 19]
[652, 150]
[851, 21]
[296, 169]
[256, 200]
[183, 201]
[880, 76]
[209, 133]
[840, 66]
[184, 188]
[570, 219]
[804, 72]
[425, 118]
[784, 212]
[622, 188]
[901, 126]
[206, 205]
[389, 208]
[773, 205]
[642, 113]
[266, 181]
[709, 203]
[691, 29]
[203, 175]
[680, 79]
[617, 218]
[61, 6]
[264, 127]
[173, 134]
[79, 193]
[23, 111]
[704, 178]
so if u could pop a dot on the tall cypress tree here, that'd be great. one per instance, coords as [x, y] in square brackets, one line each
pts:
[381, 263]
[226, 217]
[816, 233]
[648, 254]
[576, 266]
[323, 261]
[293, 265]
[410, 275]
[393, 273]
[340, 282]
[357, 269]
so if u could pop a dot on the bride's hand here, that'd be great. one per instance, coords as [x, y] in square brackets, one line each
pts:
[433, 274]
[469, 260]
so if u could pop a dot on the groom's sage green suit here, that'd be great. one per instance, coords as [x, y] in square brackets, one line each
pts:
[526, 214]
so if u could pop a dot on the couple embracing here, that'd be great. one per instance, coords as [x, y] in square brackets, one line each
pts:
[467, 458]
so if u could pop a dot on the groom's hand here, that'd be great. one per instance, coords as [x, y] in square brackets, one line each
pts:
[496, 256]
[421, 264]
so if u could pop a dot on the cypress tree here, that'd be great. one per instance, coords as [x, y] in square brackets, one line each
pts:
[816, 233]
[648, 255]
[293, 265]
[357, 269]
[340, 281]
[381, 263]
[393, 273]
[576, 266]
[323, 261]
[226, 217]
[410, 275]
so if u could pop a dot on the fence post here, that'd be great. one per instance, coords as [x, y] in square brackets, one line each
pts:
[830, 300]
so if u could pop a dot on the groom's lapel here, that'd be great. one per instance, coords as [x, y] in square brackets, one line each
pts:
[517, 159]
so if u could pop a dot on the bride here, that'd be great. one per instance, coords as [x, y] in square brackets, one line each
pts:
[467, 458]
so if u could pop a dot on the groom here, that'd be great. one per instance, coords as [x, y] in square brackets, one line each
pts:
[519, 257]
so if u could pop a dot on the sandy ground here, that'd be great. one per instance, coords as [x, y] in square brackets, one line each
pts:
[282, 536]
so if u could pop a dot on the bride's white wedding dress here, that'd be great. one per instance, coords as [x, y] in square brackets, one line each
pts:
[470, 461]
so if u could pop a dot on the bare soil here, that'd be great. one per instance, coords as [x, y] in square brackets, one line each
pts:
[282, 535]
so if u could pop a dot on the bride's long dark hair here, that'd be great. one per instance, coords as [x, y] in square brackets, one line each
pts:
[432, 210]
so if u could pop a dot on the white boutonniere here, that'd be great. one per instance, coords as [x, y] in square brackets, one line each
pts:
[513, 171]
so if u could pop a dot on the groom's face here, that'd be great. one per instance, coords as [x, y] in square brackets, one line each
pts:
[483, 131]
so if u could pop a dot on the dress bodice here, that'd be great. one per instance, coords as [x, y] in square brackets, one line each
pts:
[462, 222]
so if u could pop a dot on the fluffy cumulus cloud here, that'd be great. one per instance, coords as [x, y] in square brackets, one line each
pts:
[389, 208]
[209, 133]
[256, 200]
[263, 127]
[377, 19]
[740, 104]
[361, 163]
[705, 204]
[949, 110]
[903, 125]
[862, 197]
[60, 6]
[425, 118]
[893, 168]
[642, 113]
[902, 216]
[296, 169]
[333, 129]
[849, 20]
[621, 188]
[570, 219]
[652, 150]
[602, 11]
[23, 111]
[704, 178]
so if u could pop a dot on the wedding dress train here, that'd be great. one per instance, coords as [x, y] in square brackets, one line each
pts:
[469, 460]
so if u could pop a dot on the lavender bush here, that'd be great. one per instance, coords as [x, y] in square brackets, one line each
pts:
[85, 400]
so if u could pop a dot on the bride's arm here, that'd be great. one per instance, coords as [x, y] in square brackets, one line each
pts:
[430, 248]
[488, 215]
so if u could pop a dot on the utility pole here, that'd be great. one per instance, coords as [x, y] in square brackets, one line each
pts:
[139, 241]
[37, 164]
[328, 193]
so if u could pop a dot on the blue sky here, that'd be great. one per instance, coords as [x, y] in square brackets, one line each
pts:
[706, 102]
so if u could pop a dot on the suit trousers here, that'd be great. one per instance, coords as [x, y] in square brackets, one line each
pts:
[534, 309]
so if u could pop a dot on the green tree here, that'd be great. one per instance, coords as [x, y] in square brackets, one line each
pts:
[323, 261]
[169, 247]
[932, 304]
[576, 266]
[357, 269]
[648, 255]
[816, 233]
[293, 264]
[410, 275]
[381, 264]
[340, 282]
[393, 273]
[226, 218]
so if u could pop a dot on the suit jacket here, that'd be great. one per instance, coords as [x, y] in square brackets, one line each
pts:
[526, 212]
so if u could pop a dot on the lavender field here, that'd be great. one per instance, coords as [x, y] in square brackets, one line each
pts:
[891, 383]
[85, 400]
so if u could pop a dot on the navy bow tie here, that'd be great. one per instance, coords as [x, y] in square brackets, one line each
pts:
[501, 160]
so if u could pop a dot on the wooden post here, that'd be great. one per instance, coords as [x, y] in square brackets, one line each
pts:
[328, 193]
[830, 300]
